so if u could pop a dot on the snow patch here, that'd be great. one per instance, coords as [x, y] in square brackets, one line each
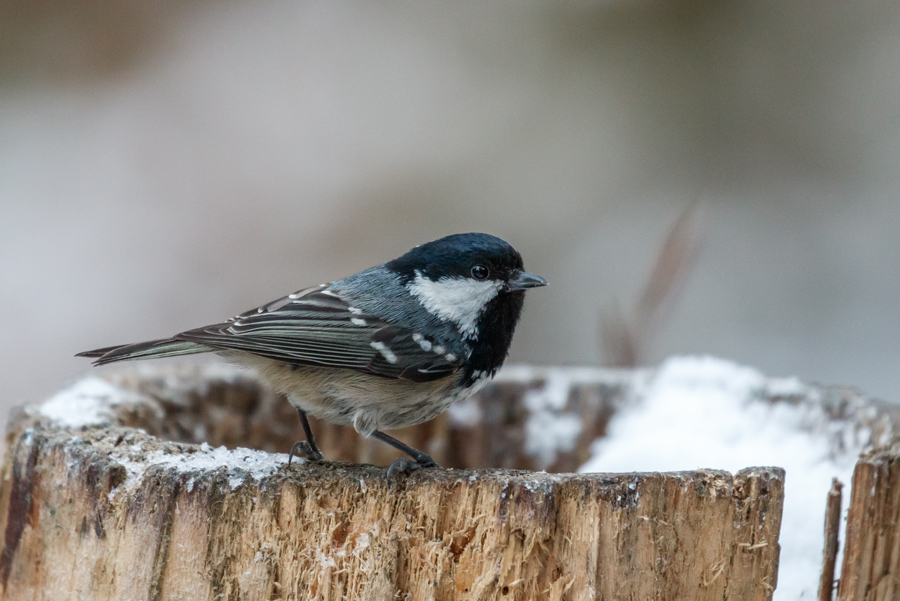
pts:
[700, 412]
[466, 413]
[88, 402]
[550, 429]
[181, 380]
[239, 465]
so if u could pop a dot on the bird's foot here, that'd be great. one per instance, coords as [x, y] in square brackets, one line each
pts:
[408, 466]
[304, 449]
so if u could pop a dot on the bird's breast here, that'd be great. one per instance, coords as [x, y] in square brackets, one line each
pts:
[364, 401]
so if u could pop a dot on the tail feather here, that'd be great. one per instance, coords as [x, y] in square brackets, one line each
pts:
[98, 352]
[152, 349]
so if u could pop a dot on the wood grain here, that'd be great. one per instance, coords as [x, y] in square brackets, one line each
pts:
[871, 567]
[111, 512]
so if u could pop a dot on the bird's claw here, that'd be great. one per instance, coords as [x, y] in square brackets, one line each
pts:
[408, 466]
[304, 449]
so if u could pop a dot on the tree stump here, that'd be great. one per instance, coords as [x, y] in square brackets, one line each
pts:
[109, 491]
[871, 569]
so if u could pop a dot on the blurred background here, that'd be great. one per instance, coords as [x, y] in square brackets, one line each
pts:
[692, 177]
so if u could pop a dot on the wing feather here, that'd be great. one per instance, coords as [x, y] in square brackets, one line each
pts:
[317, 327]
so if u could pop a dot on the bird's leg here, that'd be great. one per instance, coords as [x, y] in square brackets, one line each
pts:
[306, 447]
[404, 465]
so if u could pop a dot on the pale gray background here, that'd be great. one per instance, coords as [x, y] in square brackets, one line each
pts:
[165, 165]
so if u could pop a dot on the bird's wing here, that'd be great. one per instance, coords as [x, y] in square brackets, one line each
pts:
[317, 327]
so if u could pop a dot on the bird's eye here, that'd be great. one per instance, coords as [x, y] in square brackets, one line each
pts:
[480, 272]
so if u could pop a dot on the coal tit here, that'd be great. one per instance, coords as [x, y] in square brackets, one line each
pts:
[389, 347]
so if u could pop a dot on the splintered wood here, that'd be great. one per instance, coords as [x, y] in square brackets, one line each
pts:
[871, 568]
[340, 532]
[832, 532]
[113, 513]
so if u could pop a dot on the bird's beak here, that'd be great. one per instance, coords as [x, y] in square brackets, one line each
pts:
[521, 280]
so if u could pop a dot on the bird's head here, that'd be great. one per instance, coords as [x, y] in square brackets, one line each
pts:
[476, 281]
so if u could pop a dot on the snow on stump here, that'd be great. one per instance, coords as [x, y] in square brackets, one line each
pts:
[130, 486]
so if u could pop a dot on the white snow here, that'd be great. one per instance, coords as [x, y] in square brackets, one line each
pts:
[182, 379]
[92, 401]
[465, 413]
[699, 412]
[693, 412]
[550, 429]
[239, 464]
[88, 402]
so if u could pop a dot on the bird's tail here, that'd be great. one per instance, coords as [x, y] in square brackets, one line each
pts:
[152, 349]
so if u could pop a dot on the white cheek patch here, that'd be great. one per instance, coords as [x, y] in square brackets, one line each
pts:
[459, 300]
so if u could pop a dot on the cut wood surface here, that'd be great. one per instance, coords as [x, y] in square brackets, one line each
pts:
[92, 507]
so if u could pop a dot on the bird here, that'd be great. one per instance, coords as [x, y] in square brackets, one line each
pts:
[389, 347]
